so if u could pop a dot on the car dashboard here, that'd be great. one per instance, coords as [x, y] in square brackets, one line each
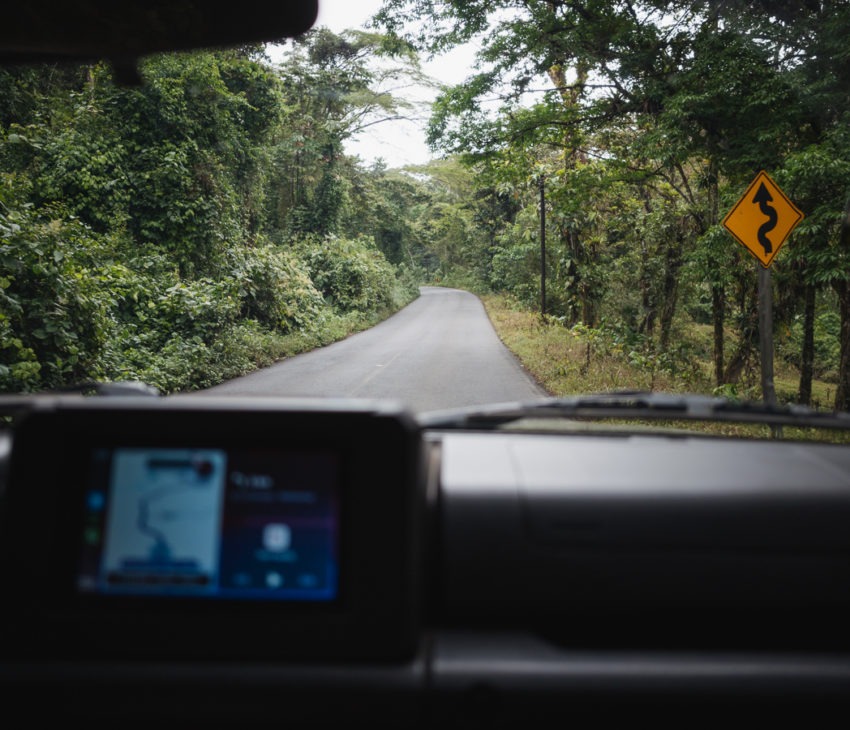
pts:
[233, 561]
[243, 560]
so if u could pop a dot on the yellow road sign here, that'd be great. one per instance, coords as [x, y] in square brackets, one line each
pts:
[762, 219]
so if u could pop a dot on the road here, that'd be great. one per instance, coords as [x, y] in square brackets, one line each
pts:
[439, 352]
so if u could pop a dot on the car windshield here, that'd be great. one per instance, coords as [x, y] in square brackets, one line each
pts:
[447, 204]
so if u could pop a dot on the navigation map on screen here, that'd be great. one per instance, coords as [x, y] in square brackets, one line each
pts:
[209, 523]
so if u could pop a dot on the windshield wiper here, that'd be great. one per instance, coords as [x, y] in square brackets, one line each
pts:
[636, 405]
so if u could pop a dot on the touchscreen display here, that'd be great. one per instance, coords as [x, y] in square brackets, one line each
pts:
[244, 524]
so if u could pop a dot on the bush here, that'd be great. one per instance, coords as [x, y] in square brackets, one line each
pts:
[54, 311]
[827, 341]
[351, 274]
[516, 268]
[274, 288]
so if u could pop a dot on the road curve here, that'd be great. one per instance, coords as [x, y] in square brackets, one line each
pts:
[439, 352]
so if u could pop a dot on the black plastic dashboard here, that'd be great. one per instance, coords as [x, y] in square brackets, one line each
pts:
[205, 560]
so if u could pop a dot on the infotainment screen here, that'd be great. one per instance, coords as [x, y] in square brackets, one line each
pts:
[200, 528]
[211, 523]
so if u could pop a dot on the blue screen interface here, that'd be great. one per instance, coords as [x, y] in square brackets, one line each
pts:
[211, 523]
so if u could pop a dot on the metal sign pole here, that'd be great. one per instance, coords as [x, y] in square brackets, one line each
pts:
[766, 335]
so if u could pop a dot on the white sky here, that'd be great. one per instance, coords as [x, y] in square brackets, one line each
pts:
[402, 142]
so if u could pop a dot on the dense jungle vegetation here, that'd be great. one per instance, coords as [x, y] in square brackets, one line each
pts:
[188, 229]
[208, 221]
[646, 121]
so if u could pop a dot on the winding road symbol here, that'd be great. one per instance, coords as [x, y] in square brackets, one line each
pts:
[746, 221]
[764, 199]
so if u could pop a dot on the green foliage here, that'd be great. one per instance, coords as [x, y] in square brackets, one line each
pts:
[817, 179]
[136, 224]
[54, 315]
[516, 260]
[351, 274]
[827, 341]
[274, 288]
[333, 86]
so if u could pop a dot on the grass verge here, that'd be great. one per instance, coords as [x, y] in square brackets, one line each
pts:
[571, 361]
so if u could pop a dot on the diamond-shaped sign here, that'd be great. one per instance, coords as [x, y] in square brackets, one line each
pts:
[762, 219]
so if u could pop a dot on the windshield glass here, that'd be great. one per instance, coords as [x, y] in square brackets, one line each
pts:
[449, 204]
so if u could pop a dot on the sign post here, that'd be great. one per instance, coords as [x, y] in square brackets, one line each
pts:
[760, 221]
[766, 336]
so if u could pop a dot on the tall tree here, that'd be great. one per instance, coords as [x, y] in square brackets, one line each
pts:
[335, 86]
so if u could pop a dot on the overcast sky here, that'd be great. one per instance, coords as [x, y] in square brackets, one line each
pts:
[400, 142]
[341, 14]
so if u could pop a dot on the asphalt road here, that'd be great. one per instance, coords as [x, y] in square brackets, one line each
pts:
[439, 352]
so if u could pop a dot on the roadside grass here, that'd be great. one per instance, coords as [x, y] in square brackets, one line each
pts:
[572, 361]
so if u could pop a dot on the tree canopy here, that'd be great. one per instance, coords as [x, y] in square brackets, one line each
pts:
[647, 120]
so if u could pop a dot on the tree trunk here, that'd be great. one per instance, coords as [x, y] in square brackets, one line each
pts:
[718, 294]
[672, 264]
[749, 334]
[575, 280]
[588, 307]
[842, 288]
[647, 323]
[747, 345]
[842, 394]
[807, 357]
[580, 304]
[718, 307]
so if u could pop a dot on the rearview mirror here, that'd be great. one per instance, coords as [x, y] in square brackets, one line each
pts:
[44, 30]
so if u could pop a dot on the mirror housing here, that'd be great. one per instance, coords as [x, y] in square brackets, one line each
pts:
[38, 31]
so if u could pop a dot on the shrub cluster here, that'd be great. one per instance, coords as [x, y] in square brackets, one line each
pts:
[353, 275]
[71, 310]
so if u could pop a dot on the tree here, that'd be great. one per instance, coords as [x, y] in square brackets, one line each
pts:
[335, 86]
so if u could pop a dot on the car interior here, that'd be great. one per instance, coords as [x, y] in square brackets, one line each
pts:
[278, 561]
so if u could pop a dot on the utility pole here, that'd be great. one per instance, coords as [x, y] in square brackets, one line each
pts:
[542, 246]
